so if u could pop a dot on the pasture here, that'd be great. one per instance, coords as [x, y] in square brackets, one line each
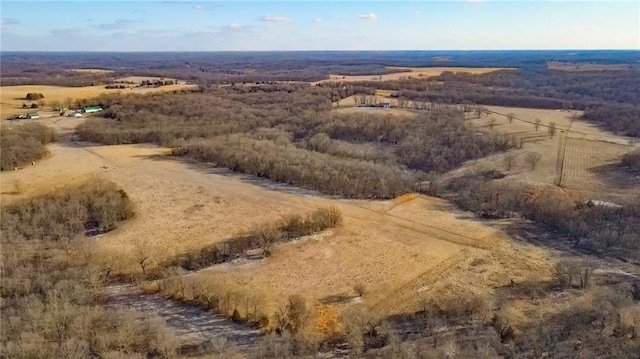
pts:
[13, 97]
[410, 72]
[392, 249]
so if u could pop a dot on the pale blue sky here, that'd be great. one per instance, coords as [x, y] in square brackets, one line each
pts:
[318, 25]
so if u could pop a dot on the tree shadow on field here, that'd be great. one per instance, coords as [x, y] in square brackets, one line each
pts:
[615, 175]
[211, 168]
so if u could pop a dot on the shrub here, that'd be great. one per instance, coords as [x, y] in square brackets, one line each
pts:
[33, 96]
[96, 204]
[23, 144]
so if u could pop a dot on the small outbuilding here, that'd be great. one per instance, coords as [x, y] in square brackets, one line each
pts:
[92, 109]
[33, 116]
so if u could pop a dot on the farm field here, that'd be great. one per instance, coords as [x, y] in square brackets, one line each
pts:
[12, 97]
[414, 72]
[390, 247]
[92, 71]
[591, 165]
[592, 154]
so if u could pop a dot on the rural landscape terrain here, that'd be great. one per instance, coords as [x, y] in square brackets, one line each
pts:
[320, 205]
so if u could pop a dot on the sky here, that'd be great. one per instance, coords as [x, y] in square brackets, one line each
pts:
[318, 25]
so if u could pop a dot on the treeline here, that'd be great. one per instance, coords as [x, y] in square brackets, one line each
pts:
[595, 227]
[50, 290]
[262, 237]
[286, 133]
[22, 144]
[286, 163]
[96, 205]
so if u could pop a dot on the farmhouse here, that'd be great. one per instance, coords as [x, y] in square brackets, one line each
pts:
[33, 115]
[92, 109]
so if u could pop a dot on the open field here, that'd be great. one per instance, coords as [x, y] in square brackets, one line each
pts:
[416, 72]
[592, 165]
[393, 248]
[12, 97]
[591, 158]
[139, 79]
[92, 71]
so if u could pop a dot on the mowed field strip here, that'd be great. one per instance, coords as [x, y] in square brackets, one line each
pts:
[382, 245]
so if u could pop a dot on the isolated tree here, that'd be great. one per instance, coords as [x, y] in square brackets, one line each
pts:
[69, 102]
[478, 111]
[536, 124]
[508, 160]
[510, 117]
[532, 159]
[492, 122]
[142, 253]
[41, 103]
[552, 129]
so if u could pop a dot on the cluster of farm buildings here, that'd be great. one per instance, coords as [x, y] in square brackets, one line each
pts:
[63, 111]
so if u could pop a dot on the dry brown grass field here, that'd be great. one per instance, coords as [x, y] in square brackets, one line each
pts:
[92, 71]
[592, 154]
[12, 97]
[394, 249]
[415, 72]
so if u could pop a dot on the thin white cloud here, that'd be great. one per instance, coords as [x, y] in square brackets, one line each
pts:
[235, 27]
[199, 8]
[474, 1]
[317, 20]
[369, 16]
[119, 24]
[275, 18]
[9, 21]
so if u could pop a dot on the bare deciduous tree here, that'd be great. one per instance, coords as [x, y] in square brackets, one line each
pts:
[536, 124]
[510, 117]
[509, 160]
[492, 123]
[532, 159]
[552, 129]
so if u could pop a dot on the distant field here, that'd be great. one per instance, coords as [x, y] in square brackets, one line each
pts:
[414, 72]
[92, 71]
[570, 66]
[139, 79]
[12, 97]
